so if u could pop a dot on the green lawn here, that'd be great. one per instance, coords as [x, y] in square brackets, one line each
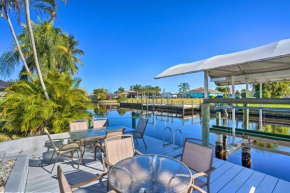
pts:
[268, 105]
[189, 101]
[178, 101]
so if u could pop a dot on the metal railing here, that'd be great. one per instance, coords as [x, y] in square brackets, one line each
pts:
[177, 130]
[170, 142]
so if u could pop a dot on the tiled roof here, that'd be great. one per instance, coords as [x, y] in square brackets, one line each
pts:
[201, 90]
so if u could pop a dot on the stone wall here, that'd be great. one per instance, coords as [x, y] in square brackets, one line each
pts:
[27, 145]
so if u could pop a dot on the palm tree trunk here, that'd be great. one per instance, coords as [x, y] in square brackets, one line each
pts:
[32, 43]
[16, 41]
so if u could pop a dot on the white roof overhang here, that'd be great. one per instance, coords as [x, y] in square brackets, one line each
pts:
[262, 64]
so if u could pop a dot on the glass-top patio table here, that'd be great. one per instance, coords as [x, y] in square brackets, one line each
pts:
[94, 134]
[150, 173]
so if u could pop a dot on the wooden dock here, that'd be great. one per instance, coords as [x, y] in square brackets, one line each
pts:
[227, 177]
[182, 109]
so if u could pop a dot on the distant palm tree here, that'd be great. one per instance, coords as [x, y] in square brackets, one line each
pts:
[121, 89]
[183, 87]
[138, 88]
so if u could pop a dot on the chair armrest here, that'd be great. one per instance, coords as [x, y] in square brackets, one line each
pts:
[198, 175]
[107, 162]
[138, 152]
[88, 181]
[194, 187]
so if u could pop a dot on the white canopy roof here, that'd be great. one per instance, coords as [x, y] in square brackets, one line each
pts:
[265, 63]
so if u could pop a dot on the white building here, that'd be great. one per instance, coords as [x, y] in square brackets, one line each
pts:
[169, 95]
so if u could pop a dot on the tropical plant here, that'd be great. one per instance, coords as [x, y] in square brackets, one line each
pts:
[243, 93]
[211, 96]
[56, 50]
[101, 111]
[26, 110]
[33, 45]
[273, 89]
[183, 87]
[15, 6]
[120, 90]
[121, 98]
[224, 89]
[101, 93]
[5, 7]
[121, 111]
[138, 88]
[152, 89]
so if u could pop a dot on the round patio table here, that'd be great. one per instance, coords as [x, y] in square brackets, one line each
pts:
[149, 173]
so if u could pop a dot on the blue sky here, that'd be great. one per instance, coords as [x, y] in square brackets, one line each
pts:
[130, 41]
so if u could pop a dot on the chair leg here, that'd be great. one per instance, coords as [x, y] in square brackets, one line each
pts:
[95, 151]
[78, 152]
[104, 164]
[136, 141]
[51, 157]
[82, 158]
[54, 163]
[208, 180]
[144, 143]
[108, 186]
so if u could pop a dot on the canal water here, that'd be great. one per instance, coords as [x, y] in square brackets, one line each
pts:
[275, 164]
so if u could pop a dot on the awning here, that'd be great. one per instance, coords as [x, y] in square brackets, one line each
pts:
[265, 63]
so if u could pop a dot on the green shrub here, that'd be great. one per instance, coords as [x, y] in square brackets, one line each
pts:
[121, 98]
[26, 110]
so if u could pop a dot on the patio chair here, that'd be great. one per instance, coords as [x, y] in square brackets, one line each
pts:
[139, 132]
[76, 126]
[67, 148]
[100, 123]
[111, 134]
[118, 148]
[64, 186]
[198, 158]
[81, 125]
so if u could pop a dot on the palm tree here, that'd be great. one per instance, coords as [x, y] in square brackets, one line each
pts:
[121, 89]
[56, 50]
[183, 87]
[5, 7]
[138, 88]
[32, 44]
[40, 6]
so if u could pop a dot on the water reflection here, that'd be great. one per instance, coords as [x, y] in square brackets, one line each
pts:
[101, 111]
[260, 160]
[221, 147]
[121, 111]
